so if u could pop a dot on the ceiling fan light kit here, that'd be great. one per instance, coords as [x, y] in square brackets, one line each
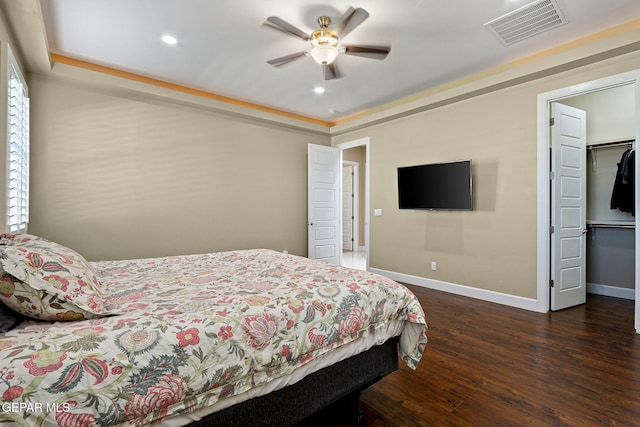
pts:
[324, 54]
[323, 43]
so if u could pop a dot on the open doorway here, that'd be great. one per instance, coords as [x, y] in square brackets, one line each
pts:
[355, 203]
[582, 95]
[610, 245]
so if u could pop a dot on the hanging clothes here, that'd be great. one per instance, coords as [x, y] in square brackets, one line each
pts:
[623, 193]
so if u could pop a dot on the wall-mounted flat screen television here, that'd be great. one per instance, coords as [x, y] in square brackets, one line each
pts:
[436, 186]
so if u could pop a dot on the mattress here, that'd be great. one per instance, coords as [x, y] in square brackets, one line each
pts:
[189, 335]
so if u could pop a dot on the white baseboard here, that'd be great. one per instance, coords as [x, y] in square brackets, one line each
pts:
[467, 291]
[611, 291]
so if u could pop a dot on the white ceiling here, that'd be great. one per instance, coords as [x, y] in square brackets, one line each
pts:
[223, 46]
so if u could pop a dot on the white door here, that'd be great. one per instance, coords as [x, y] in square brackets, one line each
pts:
[323, 213]
[568, 207]
[347, 208]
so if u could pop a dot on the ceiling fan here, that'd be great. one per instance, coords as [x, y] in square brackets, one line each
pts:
[323, 43]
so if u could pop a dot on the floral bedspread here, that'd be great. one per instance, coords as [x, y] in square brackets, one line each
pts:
[187, 331]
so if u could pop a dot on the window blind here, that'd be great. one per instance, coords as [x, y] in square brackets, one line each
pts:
[18, 152]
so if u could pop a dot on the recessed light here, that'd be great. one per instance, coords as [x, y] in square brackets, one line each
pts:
[318, 90]
[168, 39]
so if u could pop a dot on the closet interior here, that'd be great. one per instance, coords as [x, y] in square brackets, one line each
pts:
[611, 256]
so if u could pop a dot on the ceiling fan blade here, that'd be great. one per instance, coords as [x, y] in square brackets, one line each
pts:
[281, 25]
[330, 71]
[373, 52]
[350, 21]
[276, 62]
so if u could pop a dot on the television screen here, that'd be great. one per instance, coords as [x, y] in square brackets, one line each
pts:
[437, 186]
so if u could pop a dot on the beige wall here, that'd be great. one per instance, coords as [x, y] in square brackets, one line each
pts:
[120, 175]
[492, 247]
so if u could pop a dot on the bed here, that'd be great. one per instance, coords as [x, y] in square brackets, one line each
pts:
[228, 338]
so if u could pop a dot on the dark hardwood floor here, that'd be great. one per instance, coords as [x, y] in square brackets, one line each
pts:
[491, 365]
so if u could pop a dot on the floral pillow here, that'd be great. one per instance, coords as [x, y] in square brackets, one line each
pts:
[47, 281]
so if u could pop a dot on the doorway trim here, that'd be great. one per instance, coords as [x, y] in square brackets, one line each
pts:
[367, 162]
[544, 194]
[355, 232]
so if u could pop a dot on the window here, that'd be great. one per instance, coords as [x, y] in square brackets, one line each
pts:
[17, 149]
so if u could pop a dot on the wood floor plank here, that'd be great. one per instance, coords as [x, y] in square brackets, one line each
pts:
[492, 365]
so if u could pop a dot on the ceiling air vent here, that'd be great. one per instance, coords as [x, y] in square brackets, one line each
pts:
[527, 21]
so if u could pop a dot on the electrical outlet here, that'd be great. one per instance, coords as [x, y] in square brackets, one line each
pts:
[434, 266]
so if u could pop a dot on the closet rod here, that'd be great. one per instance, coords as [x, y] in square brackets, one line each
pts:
[594, 150]
[611, 226]
[610, 144]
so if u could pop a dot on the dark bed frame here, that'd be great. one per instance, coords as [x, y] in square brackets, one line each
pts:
[325, 397]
